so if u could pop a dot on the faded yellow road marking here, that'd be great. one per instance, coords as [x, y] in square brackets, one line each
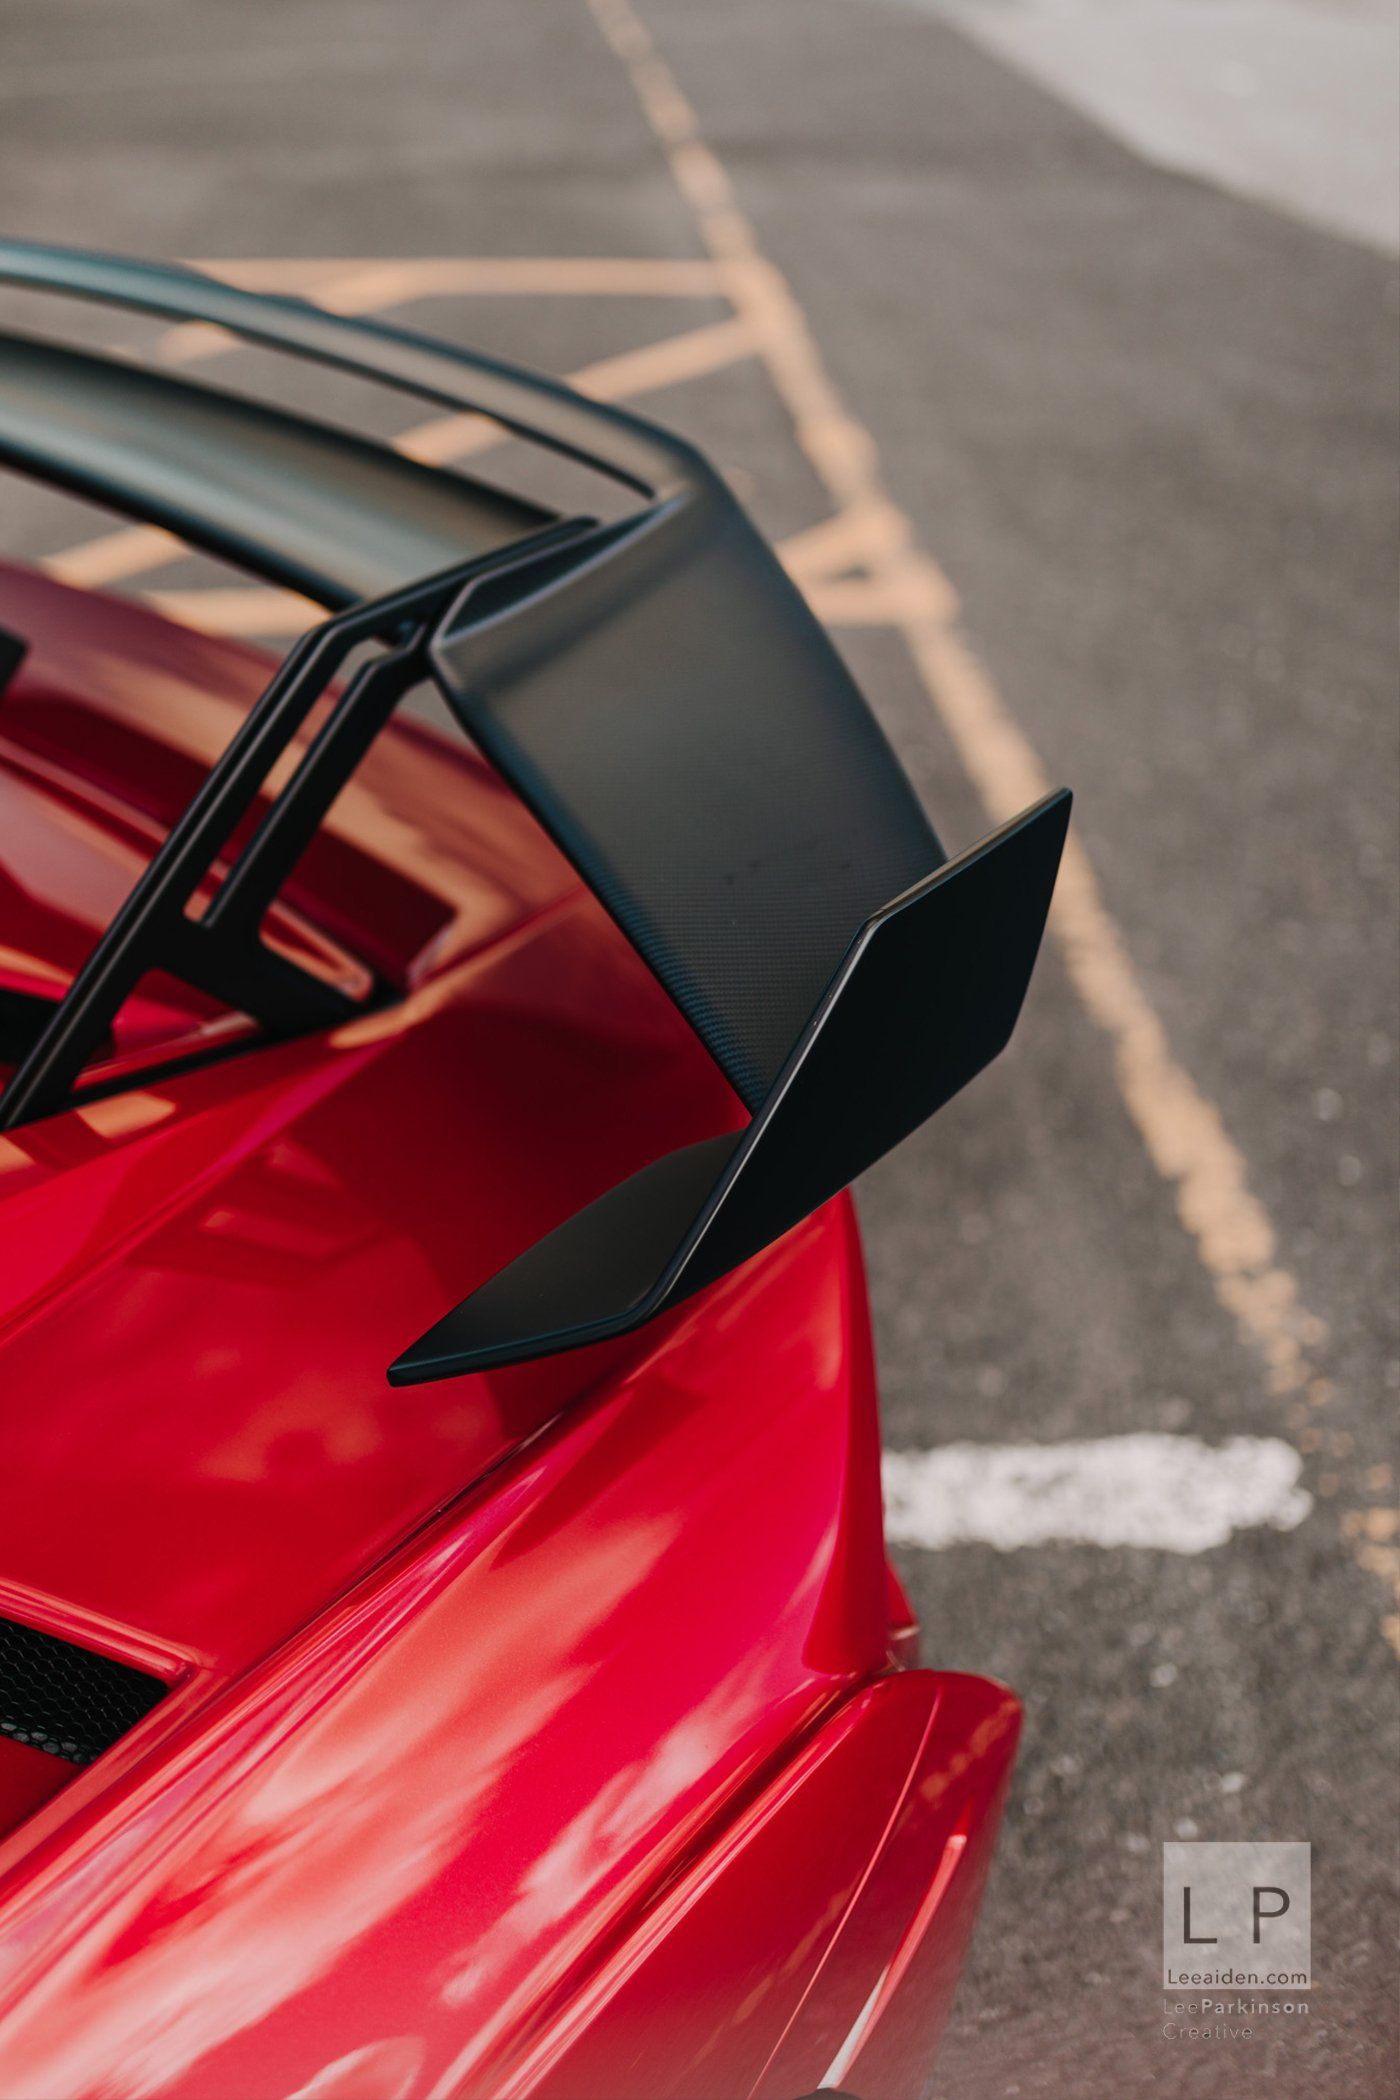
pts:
[341, 288]
[395, 281]
[369, 285]
[228, 610]
[850, 538]
[126, 552]
[1182, 1130]
[859, 601]
[631, 372]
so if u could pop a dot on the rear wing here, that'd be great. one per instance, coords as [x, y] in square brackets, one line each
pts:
[656, 691]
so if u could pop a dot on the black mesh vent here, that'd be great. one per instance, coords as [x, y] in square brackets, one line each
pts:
[65, 1700]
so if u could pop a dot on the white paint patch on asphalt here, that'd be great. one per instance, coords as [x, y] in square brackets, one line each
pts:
[1171, 1493]
[1295, 102]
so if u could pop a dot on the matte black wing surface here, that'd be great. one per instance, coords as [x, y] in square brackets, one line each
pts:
[658, 693]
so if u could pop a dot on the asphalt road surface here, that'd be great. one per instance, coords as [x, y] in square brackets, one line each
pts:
[1092, 467]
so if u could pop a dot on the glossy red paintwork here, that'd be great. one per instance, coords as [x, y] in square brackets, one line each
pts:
[537, 1733]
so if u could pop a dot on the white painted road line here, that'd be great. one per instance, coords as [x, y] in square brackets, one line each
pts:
[1170, 1493]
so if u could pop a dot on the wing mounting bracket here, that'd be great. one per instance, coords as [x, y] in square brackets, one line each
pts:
[221, 952]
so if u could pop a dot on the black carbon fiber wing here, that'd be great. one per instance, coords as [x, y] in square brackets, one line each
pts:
[657, 692]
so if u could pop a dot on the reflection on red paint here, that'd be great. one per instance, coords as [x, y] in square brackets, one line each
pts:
[527, 1730]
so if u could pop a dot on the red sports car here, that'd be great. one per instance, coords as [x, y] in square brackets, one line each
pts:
[446, 1641]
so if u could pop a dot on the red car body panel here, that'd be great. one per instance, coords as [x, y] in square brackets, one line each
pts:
[544, 1732]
